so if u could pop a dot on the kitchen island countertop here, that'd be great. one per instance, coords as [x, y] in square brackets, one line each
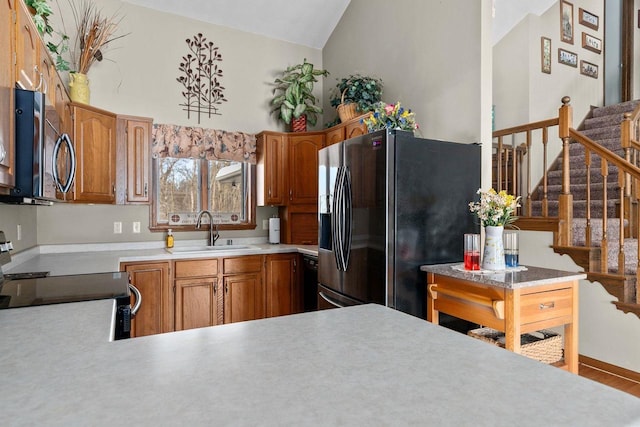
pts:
[353, 366]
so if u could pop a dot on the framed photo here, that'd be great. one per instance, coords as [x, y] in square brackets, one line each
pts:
[567, 58]
[545, 54]
[566, 21]
[589, 69]
[588, 19]
[591, 43]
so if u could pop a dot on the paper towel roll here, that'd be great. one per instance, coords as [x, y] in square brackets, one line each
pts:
[274, 230]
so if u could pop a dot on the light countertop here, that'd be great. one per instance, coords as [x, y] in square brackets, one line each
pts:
[510, 279]
[96, 258]
[362, 365]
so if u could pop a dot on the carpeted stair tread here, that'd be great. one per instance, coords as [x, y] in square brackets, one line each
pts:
[621, 108]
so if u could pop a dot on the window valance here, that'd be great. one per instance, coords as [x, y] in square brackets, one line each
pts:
[201, 143]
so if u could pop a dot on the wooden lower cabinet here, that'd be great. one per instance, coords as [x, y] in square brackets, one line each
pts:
[198, 296]
[283, 284]
[156, 312]
[213, 291]
[244, 297]
[244, 292]
[197, 303]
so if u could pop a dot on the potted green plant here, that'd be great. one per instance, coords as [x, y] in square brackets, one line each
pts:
[294, 102]
[356, 93]
[40, 12]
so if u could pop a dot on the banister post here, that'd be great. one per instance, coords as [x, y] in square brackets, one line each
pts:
[565, 199]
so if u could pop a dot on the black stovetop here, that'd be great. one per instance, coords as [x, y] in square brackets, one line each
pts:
[25, 292]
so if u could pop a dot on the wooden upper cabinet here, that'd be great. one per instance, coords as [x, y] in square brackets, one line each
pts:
[303, 168]
[27, 50]
[134, 167]
[334, 135]
[94, 139]
[272, 169]
[355, 128]
[48, 75]
[7, 73]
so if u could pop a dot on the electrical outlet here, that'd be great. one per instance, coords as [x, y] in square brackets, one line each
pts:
[117, 227]
[19, 232]
[265, 224]
[136, 226]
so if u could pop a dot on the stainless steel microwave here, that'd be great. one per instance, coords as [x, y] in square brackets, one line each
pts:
[44, 156]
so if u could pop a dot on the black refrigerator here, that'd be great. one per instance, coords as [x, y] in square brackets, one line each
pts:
[388, 203]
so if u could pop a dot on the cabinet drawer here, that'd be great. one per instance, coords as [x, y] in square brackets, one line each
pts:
[196, 268]
[242, 264]
[546, 305]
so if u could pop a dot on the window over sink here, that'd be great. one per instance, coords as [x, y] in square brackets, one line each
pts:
[184, 186]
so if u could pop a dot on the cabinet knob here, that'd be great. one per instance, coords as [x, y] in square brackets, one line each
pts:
[226, 288]
[146, 190]
[215, 289]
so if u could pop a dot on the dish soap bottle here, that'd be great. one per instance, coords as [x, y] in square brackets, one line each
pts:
[169, 238]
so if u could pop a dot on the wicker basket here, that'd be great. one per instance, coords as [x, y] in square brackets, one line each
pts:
[544, 346]
[346, 111]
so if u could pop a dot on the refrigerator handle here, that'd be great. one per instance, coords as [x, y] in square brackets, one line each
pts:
[335, 219]
[348, 218]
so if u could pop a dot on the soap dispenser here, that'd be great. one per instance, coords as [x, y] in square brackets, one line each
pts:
[169, 238]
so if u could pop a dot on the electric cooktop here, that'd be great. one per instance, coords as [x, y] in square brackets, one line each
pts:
[30, 291]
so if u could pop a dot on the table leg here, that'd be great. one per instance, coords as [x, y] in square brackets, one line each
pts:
[512, 321]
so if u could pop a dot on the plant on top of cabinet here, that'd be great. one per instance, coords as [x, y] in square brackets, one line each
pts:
[294, 102]
[358, 91]
[40, 11]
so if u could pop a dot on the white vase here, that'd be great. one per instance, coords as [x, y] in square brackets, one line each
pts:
[493, 255]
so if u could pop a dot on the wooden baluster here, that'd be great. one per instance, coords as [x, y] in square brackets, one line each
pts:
[499, 165]
[545, 200]
[622, 179]
[528, 189]
[587, 162]
[604, 261]
[513, 166]
[565, 199]
[505, 172]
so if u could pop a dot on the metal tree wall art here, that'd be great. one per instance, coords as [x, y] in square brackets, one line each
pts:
[200, 74]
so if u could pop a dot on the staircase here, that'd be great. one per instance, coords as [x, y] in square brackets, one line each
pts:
[592, 209]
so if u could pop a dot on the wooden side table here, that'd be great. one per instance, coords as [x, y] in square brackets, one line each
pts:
[513, 302]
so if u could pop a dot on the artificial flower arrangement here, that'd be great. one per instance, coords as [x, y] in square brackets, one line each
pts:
[390, 116]
[495, 209]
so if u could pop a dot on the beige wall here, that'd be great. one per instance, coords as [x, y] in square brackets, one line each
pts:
[138, 77]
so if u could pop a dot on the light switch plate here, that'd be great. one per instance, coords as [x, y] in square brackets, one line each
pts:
[117, 227]
[136, 226]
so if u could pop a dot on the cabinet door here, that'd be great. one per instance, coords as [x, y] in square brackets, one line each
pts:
[197, 303]
[271, 170]
[47, 71]
[334, 136]
[27, 45]
[303, 168]
[94, 141]
[138, 137]
[7, 73]
[354, 129]
[243, 297]
[156, 313]
[282, 285]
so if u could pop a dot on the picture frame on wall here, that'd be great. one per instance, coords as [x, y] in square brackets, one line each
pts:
[567, 58]
[589, 69]
[588, 19]
[566, 21]
[545, 54]
[591, 43]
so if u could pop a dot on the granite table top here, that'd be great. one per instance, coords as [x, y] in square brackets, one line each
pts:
[522, 277]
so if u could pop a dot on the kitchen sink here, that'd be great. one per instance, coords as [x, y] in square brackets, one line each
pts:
[221, 248]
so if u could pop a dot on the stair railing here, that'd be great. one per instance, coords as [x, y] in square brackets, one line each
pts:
[562, 223]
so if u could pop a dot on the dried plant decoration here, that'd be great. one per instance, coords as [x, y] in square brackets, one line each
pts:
[200, 78]
[94, 32]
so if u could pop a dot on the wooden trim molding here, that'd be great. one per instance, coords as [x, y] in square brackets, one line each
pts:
[627, 32]
[612, 369]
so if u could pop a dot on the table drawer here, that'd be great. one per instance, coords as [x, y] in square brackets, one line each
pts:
[196, 268]
[546, 305]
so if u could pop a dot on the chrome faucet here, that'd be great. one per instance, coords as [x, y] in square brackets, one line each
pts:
[213, 229]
